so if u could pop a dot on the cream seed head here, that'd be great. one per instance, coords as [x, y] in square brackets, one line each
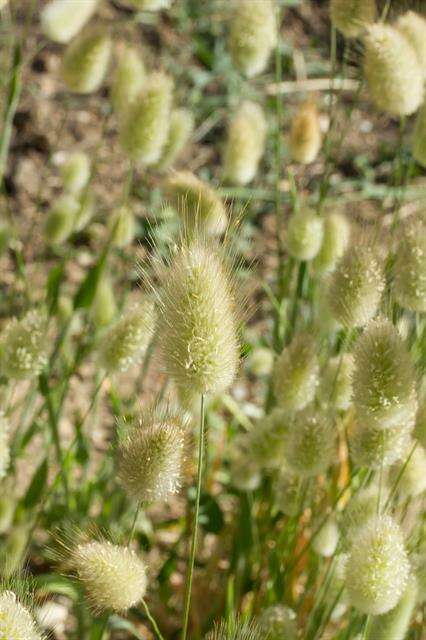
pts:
[253, 34]
[145, 125]
[384, 381]
[23, 346]
[409, 285]
[355, 287]
[394, 624]
[113, 576]
[411, 475]
[245, 144]
[181, 129]
[305, 135]
[378, 568]
[373, 447]
[351, 17]
[75, 172]
[267, 439]
[151, 455]
[418, 142]
[197, 320]
[126, 341]
[304, 234]
[413, 27]
[86, 61]
[4, 446]
[394, 76]
[128, 79]
[122, 226]
[360, 509]
[335, 388]
[326, 540]
[60, 220]
[61, 20]
[16, 621]
[295, 375]
[335, 241]
[278, 622]
[199, 206]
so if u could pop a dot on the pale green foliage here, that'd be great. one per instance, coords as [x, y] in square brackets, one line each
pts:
[351, 17]
[75, 172]
[181, 128]
[295, 375]
[128, 79]
[122, 226]
[86, 61]
[310, 443]
[278, 622]
[409, 286]
[267, 439]
[16, 622]
[394, 624]
[86, 210]
[61, 20]
[4, 446]
[244, 470]
[288, 493]
[147, 5]
[334, 244]
[411, 474]
[304, 234]
[373, 447]
[420, 428]
[335, 388]
[245, 144]
[60, 220]
[104, 307]
[23, 346]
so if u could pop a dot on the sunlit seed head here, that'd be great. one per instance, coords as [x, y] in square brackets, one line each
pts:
[374, 447]
[104, 306]
[16, 621]
[278, 622]
[113, 576]
[128, 79]
[4, 446]
[394, 76]
[287, 493]
[378, 568]
[360, 509]
[86, 61]
[418, 142]
[144, 129]
[325, 541]
[295, 375]
[267, 439]
[199, 206]
[409, 285]
[351, 17]
[305, 135]
[245, 473]
[413, 27]
[197, 320]
[61, 20]
[310, 443]
[335, 388]
[394, 625]
[410, 475]
[420, 427]
[122, 226]
[151, 455]
[253, 34]
[181, 128]
[334, 243]
[245, 144]
[60, 220]
[304, 234]
[236, 629]
[75, 172]
[356, 286]
[384, 380]
[126, 341]
[23, 346]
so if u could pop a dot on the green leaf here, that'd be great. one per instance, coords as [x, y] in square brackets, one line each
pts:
[37, 486]
[87, 290]
[54, 280]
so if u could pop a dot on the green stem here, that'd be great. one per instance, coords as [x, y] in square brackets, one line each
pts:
[15, 87]
[152, 621]
[190, 572]
[133, 529]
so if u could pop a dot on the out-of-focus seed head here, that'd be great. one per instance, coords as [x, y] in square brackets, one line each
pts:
[356, 286]
[295, 375]
[122, 226]
[199, 206]
[378, 568]
[61, 20]
[267, 439]
[86, 61]
[236, 629]
[126, 341]
[197, 324]
[145, 125]
[278, 622]
[23, 346]
[304, 234]
[418, 143]
[7, 507]
[335, 388]
[151, 455]
[60, 220]
[419, 566]
[104, 307]
[360, 509]
[260, 361]
[244, 470]
[351, 17]
[16, 621]
[287, 493]
[325, 541]
[310, 444]
[409, 285]
[325, 322]
[394, 624]
[14, 550]
[394, 76]
[128, 79]
[335, 241]
[113, 576]
[75, 172]
[413, 27]
[373, 447]
[181, 128]
[410, 476]
[85, 212]
[253, 34]
[147, 5]
[4, 446]
[336, 594]
[420, 428]
[245, 144]
[305, 135]
[384, 379]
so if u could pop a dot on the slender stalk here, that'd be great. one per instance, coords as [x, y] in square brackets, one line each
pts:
[190, 572]
[133, 529]
[152, 620]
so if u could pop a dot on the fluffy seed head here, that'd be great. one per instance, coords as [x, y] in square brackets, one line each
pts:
[261, 361]
[295, 374]
[236, 629]
[86, 60]
[372, 446]
[181, 128]
[60, 220]
[310, 444]
[104, 307]
[335, 389]
[126, 341]
[351, 17]
[356, 287]
[75, 172]
[288, 493]
[418, 143]
[361, 508]
[305, 136]
[304, 234]
[4, 446]
[394, 624]
[128, 79]
[197, 203]
[409, 286]
[122, 226]
[413, 27]
[197, 321]
[325, 542]
[61, 20]
[384, 378]
[253, 34]
[16, 622]
[113, 576]
[278, 622]
[145, 125]
[335, 241]
[377, 569]
[23, 346]
[392, 70]
[411, 475]
[267, 439]
[245, 144]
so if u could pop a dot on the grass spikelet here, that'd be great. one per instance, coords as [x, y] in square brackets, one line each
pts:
[394, 624]
[75, 172]
[355, 287]
[23, 346]
[335, 389]
[310, 443]
[305, 136]
[411, 475]
[295, 374]
[409, 285]
[373, 447]
[122, 226]
[335, 241]
[151, 454]
[413, 27]
[252, 35]
[59, 223]
[377, 569]
[392, 70]
[245, 144]
[327, 538]
[86, 61]
[236, 629]
[181, 128]
[418, 144]
[16, 621]
[128, 79]
[278, 622]
[267, 439]
[351, 17]
[4, 446]
[361, 508]
[304, 234]
[61, 20]
[384, 378]
[104, 307]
